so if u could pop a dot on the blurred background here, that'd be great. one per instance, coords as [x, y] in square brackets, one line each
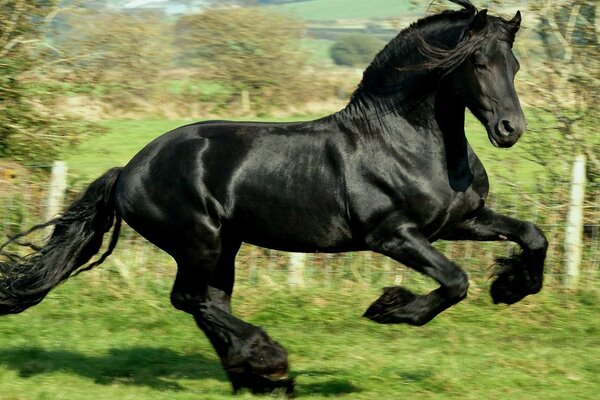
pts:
[84, 85]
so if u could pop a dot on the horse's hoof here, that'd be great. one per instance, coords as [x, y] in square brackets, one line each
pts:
[514, 281]
[282, 386]
[509, 289]
[388, 309]
[275, 384]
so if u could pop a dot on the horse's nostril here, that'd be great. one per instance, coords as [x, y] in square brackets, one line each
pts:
[507, 127]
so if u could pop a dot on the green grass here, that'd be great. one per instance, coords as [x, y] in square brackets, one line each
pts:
[126, 137]
[123, 139]
[98, 337]
[116, 147]
[319, 51]
[328, 10]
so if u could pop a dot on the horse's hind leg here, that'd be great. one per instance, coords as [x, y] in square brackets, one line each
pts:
[519, 275]
[203, 288]
[398, 305]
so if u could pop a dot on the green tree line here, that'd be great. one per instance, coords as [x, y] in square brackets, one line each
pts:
[50, 49]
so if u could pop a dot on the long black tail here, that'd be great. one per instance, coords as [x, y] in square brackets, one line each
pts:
[77, 236]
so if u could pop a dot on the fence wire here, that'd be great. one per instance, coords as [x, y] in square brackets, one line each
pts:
[22, 203]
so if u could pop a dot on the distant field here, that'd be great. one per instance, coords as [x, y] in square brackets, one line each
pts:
[319, 50]
[126, 137]
[114, 148]
[327, 10]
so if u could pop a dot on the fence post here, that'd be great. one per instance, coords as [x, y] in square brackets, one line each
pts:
[574, 228]
[56, 190]
[296, 269]
[246, 107]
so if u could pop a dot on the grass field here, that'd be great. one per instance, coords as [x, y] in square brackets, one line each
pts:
[126, 137]
[97, 337]
[328, 10]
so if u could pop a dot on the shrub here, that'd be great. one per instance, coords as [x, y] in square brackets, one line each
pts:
[355, 49]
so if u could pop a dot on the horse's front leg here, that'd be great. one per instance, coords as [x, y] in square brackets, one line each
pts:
[398, 305]
[519, 275]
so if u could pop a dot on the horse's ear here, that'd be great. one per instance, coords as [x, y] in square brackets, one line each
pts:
[515, 23]
[479, 21]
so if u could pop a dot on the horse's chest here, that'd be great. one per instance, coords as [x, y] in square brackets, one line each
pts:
[435, 210]
[464, 205]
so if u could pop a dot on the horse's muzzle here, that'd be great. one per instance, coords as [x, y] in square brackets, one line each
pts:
[507, 132]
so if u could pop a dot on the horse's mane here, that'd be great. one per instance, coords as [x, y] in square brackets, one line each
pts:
[436, 44]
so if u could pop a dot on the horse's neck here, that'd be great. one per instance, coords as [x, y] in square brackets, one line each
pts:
[435, 121]
[402, 97]
[434, 117]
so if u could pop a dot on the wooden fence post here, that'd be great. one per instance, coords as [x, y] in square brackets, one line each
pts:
[296, 269]
[574, 228]
[56, 190]
[246, 107]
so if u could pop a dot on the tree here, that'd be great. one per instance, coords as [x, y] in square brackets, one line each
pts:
[247, 48]
[108, 47]
[355, 49]
[29, 130]
[567, 79]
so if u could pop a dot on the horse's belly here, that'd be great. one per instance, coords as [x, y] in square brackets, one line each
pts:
[294, 232]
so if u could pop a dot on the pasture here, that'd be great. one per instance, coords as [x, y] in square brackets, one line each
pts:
[125, 138]
[329, 10]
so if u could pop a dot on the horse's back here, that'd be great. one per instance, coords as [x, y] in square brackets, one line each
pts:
[276, 185]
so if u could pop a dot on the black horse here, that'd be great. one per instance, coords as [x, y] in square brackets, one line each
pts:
[392, 172]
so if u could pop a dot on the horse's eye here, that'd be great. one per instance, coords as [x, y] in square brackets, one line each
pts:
[479, 65]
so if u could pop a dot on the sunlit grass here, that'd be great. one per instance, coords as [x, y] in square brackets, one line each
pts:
[98, 336]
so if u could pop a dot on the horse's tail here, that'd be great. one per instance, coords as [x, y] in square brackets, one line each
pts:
[77, 236]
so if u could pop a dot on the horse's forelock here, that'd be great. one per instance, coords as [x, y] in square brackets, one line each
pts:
[509, 28]
[445, 59]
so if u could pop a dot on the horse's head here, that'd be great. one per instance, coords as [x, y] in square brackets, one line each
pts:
[485, 80]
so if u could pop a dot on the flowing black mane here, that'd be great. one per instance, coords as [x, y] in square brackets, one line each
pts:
[410, 53]
[431, 47]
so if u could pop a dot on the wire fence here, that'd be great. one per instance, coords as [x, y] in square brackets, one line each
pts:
[138, 262]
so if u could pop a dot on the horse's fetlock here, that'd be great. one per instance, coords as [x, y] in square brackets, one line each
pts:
[535, 239]
[184, 301]
[458, 288]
